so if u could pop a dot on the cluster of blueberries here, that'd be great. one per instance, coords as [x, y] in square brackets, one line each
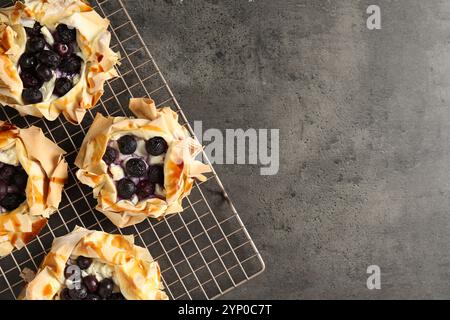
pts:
[149, 175]
[13, 182]
[41, 60]
[89, 287]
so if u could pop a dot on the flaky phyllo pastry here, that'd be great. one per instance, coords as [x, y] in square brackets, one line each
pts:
[32, 175]
[54, 58]
[94, 265]
[140, 167]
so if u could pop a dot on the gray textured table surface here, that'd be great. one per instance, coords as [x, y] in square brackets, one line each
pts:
[364, 123]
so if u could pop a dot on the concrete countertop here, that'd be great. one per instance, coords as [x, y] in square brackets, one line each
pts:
[364, 123]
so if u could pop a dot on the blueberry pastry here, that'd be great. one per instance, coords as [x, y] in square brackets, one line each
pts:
[93, 265]
[140, 167]
[32, 175]
[54, 58]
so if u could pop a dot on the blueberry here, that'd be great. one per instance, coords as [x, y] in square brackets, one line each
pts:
[91, 283]
[20, 179]
[116, 296]
[105, 288]
[44, 73]
[31, 96]
[27, 61]
[125, 188]
[49, 58]
[29, 80]
[64, 34]
[84, 262]
[156, 146]
[35, 30]
[145, 189]
[6, 173]
[110, 155]
[65, 294]
[35, 44]
[135, 167]
[70, 270]
[156, 174]
[78, 293]
[63, 49]
[127, 144]
[71, 64]
[12, 200]
[92, 297]
[62, 86]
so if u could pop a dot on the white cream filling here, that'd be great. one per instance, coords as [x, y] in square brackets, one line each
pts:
[76, 78]
[157, 159]
[100, 270]
[140, 150]
[134, 199]
[48, 87]
[47, 35]
[116, 172]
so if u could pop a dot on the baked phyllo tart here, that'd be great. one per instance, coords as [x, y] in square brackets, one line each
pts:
[141, 167]
[94, 265]
[54, 58]
[32, 175]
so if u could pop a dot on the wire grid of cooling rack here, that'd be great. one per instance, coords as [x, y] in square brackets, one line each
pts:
[203, 252]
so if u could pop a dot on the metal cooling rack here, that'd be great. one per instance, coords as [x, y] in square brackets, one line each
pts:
[203, 252]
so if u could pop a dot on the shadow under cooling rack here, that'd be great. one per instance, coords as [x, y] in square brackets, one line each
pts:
[203, 252]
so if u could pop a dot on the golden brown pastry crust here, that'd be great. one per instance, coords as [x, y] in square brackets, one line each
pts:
[92, 38]
[180, 166]
[135, 271]
[47, 172]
